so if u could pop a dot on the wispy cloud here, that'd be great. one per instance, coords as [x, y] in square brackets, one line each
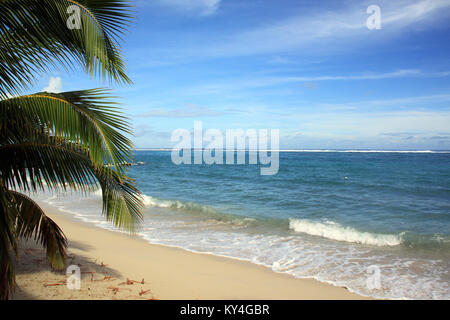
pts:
[200, 7]
[407, 12]
[359, 124]
[188, 111]
[317, 31]
[144, 130]
[279, 60]
[417, 102]
[240, 84]
[301, 31]
[399, 134]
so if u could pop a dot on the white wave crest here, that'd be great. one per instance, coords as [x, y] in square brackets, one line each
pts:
[335, 231]
[153, 202]
[175, 204]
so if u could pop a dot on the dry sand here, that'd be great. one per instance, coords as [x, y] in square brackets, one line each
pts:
[107, 259]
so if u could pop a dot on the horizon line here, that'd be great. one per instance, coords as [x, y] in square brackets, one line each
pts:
[307, 150]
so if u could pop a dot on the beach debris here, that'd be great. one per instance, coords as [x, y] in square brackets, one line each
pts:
[105, 278]
[126, 282]
[114, 289]
[54, 284]
[143, 292]
[103, 265]
[87, 272]
[130, 282]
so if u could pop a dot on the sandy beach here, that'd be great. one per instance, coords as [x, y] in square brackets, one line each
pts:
[120, 266]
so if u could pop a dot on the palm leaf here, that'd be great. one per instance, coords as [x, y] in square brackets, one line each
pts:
[31, 222]
[72, 139]
[22, 217]
[86, 117]
[34, 164]
[40, 162]
[34, 37]
[122, 201]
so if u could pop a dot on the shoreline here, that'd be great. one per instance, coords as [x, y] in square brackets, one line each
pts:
[169, 272]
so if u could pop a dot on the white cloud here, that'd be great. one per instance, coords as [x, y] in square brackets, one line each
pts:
[54, 85]
[414, 102]
[201, 7]
[374, 124]
[239, 84]
[327, 30]
[279, 60]
[391, 130]
[406, 12]
[188, 111]
[313, 31]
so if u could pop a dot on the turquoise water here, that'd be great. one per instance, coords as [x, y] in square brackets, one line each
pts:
[325, 215]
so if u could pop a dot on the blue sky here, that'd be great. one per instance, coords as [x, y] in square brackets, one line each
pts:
[309, 68]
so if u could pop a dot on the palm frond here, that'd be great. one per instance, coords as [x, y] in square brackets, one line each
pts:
[34, 36]
[85, 117]
[72, 139]
[34, 164]
[122, 201]
[42, 161]
[31, 222]
[21, 217]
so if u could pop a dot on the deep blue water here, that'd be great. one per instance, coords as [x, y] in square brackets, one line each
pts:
[326, 215]
[374, 192]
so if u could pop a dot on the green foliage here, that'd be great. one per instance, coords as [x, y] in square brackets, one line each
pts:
[34, 37]
[60, 140]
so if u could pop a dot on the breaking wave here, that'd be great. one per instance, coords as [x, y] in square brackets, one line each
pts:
[335, 231]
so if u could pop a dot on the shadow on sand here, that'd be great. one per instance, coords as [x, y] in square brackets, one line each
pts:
[34, 274]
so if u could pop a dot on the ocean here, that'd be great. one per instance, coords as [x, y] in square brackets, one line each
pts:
[377, 223]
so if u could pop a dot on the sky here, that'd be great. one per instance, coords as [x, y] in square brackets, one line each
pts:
[312, 69]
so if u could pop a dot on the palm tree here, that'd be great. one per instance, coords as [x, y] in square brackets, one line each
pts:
[63, 140]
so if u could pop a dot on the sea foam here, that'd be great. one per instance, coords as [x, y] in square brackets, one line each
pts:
[335, 231]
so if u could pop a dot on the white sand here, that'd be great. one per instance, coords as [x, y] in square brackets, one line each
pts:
[168, 273]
